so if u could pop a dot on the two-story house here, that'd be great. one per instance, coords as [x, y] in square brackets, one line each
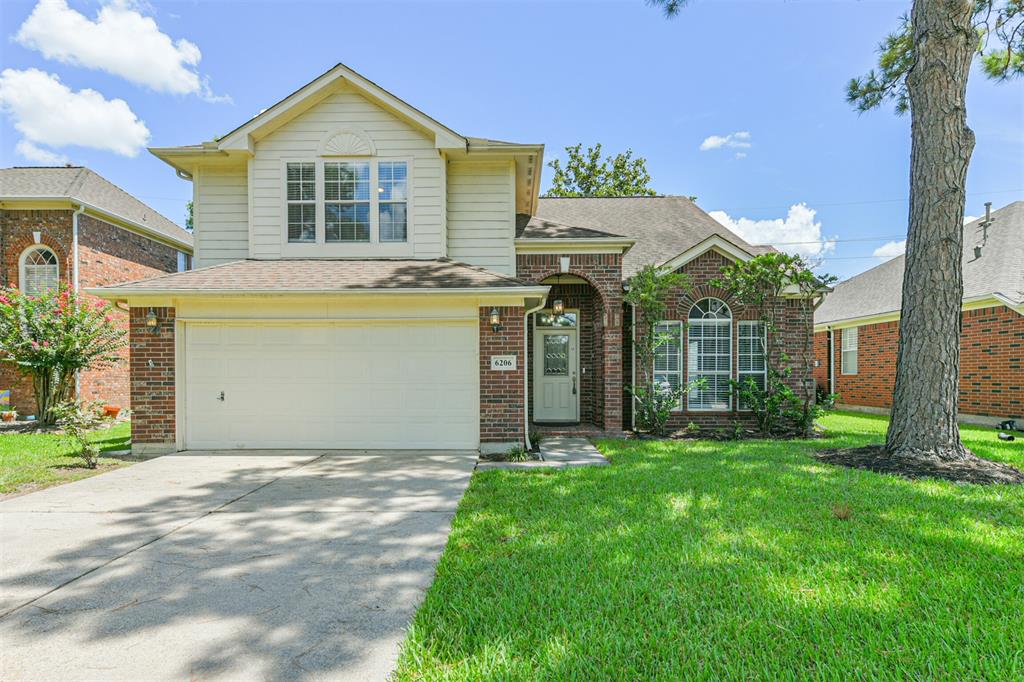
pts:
[366, 277]
[69, 226]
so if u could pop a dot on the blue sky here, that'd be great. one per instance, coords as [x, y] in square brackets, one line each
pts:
[557, 73]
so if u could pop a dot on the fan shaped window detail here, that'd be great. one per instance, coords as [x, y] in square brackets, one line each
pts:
[40, 271]
[348, 142]
[709, 355]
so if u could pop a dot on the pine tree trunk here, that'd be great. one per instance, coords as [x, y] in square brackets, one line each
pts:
[926, 398]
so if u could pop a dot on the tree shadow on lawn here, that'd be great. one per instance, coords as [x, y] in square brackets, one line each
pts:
[724, 561]
[327, 593]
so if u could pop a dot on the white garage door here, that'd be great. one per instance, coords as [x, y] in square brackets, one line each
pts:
[380, 385]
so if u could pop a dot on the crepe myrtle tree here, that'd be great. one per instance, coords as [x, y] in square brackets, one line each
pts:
[54, 336]
[646, 292]
[762, 284]
[923, 67]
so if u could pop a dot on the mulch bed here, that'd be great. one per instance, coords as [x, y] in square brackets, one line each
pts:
[972, 469]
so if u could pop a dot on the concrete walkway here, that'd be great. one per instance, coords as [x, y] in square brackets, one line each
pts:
[557, 452]
[274, 566]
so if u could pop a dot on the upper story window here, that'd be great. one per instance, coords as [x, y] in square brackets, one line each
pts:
[347, 201]
[351, 201]
[301, 197]
[849, 351]
[40, 271]
[709, 355]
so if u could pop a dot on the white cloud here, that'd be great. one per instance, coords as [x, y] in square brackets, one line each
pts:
[121, 41]
[970, 218]
[797, 233]
[738, 140]
[43, 157]
[890, 250]
[47, 112]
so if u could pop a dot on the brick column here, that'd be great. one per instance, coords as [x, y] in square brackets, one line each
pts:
[152, 382]
[501, 391]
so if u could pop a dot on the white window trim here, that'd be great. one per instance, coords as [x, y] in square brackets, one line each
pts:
[847, 347]
[728, 373]
[679, 360]
[764, 345]
[22, 265]
[182, 261]
[320, 247]
[317, 197]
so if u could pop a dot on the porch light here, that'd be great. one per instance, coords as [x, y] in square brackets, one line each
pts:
[558, 307]
[152, 323]
[495, 320]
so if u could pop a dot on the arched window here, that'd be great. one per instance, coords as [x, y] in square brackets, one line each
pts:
[709, 355]
[39, 270]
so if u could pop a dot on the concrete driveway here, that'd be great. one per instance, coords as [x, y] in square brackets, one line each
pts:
[269, 565]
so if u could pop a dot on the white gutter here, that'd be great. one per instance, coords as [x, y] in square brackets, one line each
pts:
[74, 246]
[112, 293]
[526, 369]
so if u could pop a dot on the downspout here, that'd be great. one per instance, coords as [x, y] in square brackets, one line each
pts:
[526, 370]
[632, 370]
[831, 360]
[74, 278]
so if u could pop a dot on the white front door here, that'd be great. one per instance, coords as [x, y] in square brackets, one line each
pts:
[555, 375]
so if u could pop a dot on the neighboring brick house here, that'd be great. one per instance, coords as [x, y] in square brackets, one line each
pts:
[857, 327]
[369, 278]
[68, 225]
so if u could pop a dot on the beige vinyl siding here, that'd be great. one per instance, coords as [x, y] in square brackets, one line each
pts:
[481, 214]
[299, 139]
[221, 215]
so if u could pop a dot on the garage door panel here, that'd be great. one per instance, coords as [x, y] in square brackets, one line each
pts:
[332, 386]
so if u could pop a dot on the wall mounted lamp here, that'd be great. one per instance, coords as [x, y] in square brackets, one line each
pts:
[495, 320]
[152, 323]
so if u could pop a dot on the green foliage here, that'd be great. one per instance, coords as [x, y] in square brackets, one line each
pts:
[54, 336]
[586, 175]
[1000, 28]
[647, 291]
[189, 216]
[758, 284]
[77, 419]
[518, 454]
[30, 460]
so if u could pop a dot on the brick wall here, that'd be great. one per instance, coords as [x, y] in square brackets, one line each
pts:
[604, 273]
[152, 377]
[991, 364]
[792, 320]
[501, 391]
[110, 255]
[107, 255]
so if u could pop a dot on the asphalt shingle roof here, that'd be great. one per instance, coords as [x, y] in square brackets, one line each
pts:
[82, 184]
[322, 275]
[999, 270]
[663, 227]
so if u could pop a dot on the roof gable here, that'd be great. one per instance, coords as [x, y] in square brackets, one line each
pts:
[301, 100]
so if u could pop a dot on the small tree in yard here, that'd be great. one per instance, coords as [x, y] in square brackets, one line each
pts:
[652, 401]
[761, 283]
[53, 337]
[78, 419]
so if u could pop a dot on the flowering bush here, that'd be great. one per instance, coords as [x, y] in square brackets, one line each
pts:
[53, 337]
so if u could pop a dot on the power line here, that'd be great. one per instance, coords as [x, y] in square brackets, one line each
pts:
[865, 202]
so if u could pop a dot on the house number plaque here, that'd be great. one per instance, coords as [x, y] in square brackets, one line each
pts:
[503, 363]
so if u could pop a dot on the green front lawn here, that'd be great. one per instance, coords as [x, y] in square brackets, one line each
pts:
[728, 560]
[29, 461]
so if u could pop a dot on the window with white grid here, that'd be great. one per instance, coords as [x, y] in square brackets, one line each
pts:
[709, 355]
[751, 357]
[849, 350]
[301, 200]
[667, 355]
[347, 201]
[39, 271]
[392, 195]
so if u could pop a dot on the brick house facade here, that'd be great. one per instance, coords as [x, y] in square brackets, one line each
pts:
[107, 254]
[991, 364]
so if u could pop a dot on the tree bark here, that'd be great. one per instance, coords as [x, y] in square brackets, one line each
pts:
[926, 398]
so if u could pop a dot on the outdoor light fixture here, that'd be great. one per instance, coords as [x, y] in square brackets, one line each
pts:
[558, 307]
[152, 323]
[495, 320]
